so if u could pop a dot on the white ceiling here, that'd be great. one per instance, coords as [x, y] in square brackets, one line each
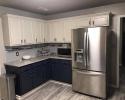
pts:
[55, 6]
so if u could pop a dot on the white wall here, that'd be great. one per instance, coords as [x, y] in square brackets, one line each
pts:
[2, 50]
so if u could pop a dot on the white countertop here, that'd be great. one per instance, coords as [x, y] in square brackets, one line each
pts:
[20, 63]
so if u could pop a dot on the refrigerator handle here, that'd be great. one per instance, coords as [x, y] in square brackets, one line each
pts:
[87, 50]
[84, 49]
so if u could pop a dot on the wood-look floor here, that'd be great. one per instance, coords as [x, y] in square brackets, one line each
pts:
[56, 91]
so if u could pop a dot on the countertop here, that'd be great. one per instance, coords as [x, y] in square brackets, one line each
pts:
[20, 63]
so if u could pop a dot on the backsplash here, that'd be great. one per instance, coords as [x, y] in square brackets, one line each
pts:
[33, 51]
[11, 55]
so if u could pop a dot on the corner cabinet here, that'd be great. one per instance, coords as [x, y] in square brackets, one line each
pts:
[33, 75]
[30, 76]
[59, 31]
[62, 70]
[55, 31]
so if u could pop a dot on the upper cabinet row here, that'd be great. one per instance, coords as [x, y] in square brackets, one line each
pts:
[20, 30]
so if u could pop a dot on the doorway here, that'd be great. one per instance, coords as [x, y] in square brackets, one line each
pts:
[122, 55]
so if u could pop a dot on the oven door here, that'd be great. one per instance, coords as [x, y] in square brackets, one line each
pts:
[88, 82]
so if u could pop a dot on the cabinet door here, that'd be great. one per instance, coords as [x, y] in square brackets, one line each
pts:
[56, 71]
[37, 31]
[15, 30]
[27, 30]
[38, 76]
[62, 71]
[41, 73]
[68, 26]
[43, 31]
[102, 20]
[46, 32]
[67, 71]
[59, 31]
[51, 31]
[82, 22]
[56, 31]
[25, 82]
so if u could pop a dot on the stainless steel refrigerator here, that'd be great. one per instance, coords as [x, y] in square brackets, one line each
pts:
[89, 53]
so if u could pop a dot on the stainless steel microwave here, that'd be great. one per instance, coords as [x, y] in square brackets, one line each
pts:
[64, 52]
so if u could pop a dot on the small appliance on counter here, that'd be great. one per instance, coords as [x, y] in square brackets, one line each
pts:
[43, 52]
[64, 52]
[26, 57]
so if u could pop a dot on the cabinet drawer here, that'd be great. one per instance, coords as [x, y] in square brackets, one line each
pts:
[92, 83]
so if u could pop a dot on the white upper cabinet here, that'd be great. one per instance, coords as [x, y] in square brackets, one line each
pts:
[96, 20]
[69, 25]
[50, 31]
[12, 30]
[43, 30]
[26, 24]
[82, 22]
[19, 30]
[100, 20]
[55, 31]
[59, 31]
[46, 31]
[38, 31]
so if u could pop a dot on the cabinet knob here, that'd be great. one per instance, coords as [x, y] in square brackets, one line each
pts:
[21, 41]
[44, 40]
[24, 40]
[89, 22]
[93, 22]
[64, 39]
[55, 39]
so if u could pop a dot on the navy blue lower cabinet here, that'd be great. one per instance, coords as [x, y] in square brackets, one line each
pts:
[31, 76]
[37, 77]
[25, 82]
[67, 72]
[62, 70]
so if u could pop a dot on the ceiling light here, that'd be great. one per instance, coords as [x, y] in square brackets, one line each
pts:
[43, 8]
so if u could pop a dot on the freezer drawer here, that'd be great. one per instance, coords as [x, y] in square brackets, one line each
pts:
[91, 83]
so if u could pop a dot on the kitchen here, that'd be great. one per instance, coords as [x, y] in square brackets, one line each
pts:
[47, 41]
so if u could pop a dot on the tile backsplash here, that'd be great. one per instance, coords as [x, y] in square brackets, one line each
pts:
[11, 55]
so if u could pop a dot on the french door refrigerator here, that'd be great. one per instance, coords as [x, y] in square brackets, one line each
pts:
[89, 61]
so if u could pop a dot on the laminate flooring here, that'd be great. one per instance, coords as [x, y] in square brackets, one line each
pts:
[59, 91]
